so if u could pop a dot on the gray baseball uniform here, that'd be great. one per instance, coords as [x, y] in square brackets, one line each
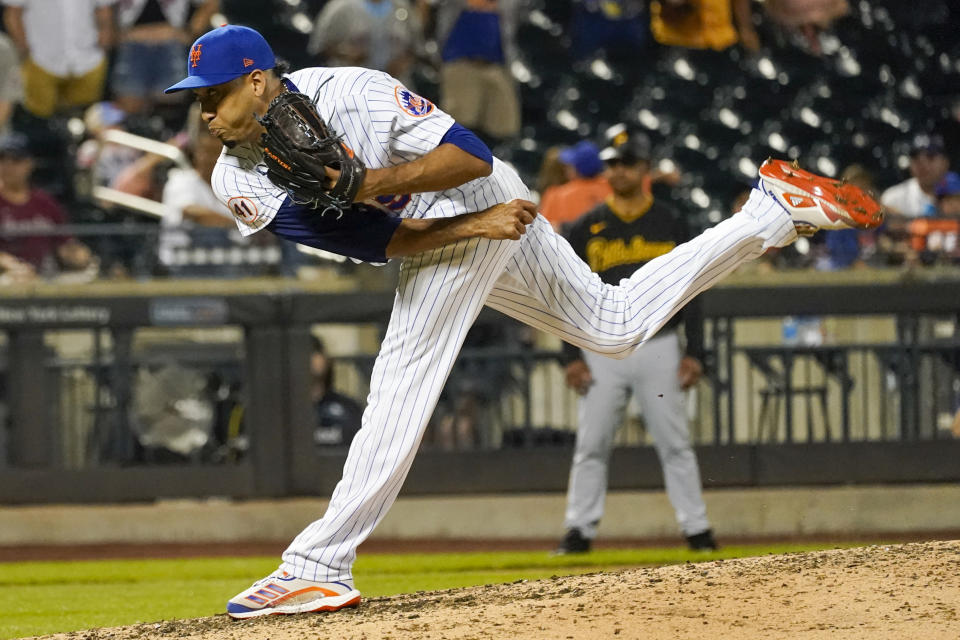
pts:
[614, 246]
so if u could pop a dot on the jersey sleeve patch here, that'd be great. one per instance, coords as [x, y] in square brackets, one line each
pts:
[411, 103]
[244, 209]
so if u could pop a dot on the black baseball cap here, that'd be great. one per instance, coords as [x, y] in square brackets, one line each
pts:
[931, 144]
[627, 148]
[15, 144]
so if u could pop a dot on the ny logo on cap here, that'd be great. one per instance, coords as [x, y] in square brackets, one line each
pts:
[195, 54]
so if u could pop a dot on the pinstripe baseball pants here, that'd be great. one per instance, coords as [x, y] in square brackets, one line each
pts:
[538, 280]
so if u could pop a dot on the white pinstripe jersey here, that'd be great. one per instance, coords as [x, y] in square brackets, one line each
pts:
[383, 123]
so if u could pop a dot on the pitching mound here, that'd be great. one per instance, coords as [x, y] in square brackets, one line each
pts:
[897, 591]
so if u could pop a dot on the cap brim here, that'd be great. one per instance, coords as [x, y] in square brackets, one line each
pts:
[199, 82]
[609, 154]
[623, 155]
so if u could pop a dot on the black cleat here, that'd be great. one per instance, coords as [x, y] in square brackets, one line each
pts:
[573, 542]
[702, 541]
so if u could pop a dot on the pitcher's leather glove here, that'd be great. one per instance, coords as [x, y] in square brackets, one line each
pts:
[298, 147]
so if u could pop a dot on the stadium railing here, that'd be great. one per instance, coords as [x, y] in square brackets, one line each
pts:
[872, 402]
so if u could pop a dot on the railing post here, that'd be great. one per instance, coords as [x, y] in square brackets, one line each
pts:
[267, 419]
[34, 437]
[300, 416]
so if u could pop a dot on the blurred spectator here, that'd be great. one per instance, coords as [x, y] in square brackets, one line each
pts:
[703, 24]
[552, 172]
[189, 198]
[477, 42]
[797, 13]
[24, 208]
[586, 186]
[338, 417]
[617, 27]
[929, 164]
[105, 160]
[937, 239]
[948, 196]
[13, 269]
[11, 86]
[62, 44]
[378, 34]
[808, 17]
[153, 40]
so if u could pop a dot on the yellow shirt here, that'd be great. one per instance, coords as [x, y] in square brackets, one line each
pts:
[709, 25]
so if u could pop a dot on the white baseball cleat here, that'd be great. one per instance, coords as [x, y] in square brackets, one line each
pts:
[281, 593]
[815, 202]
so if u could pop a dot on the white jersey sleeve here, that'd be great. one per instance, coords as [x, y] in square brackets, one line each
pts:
[385, 123]
[240, 184]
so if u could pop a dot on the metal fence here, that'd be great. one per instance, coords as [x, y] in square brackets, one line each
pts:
[138, 396]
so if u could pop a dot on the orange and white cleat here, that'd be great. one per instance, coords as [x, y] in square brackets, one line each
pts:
[281, 593]
[815, 202]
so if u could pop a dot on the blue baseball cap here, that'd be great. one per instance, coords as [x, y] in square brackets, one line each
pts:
[223, 54]
[949, 186]
[584, 157]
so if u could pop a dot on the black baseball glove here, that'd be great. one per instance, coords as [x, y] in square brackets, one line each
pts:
[298, 147]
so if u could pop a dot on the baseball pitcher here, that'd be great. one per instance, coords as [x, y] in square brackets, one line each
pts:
[376, 171]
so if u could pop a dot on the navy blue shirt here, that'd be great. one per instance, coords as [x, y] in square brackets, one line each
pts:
[475, 36]
[362, 232]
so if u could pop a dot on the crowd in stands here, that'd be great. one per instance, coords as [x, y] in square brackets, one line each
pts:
[545, 84]
[867, 91]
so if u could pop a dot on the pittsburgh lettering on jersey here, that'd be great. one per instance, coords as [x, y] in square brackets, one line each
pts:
[603, 254]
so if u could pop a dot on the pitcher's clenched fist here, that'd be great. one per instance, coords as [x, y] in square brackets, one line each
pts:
[506, 221]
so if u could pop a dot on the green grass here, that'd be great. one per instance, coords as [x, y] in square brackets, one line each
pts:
[49, 597]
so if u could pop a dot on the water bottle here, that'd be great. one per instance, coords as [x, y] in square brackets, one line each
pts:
[791, 331]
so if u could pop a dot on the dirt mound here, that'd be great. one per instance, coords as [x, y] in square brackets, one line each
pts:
[895, 591]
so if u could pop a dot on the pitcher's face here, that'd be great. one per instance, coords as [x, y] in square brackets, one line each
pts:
[228, 109]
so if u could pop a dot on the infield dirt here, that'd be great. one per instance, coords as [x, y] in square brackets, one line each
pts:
[879, 592]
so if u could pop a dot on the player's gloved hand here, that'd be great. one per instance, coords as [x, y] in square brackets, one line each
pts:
[505, 221]
[305, 158]
[578, 376]
[689, 372]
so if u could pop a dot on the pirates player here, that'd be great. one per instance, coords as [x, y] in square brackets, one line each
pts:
[615, 239]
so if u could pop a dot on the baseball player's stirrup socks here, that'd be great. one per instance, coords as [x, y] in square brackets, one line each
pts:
[282, 593]
[815, 202]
